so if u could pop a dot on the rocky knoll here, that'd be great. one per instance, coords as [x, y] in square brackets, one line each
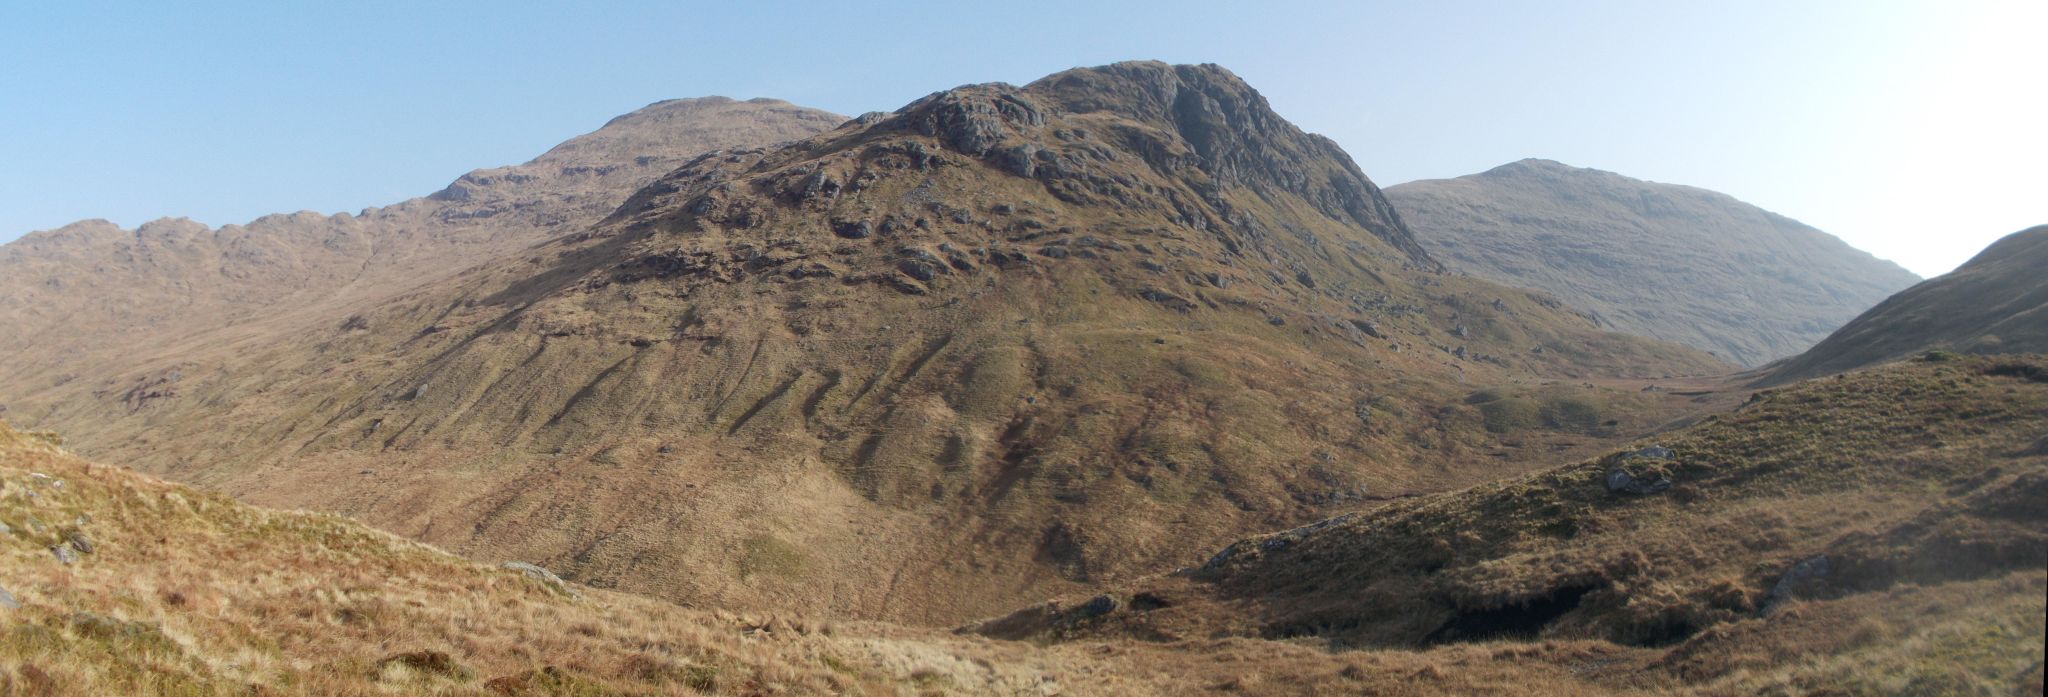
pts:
[1003, 342]
[1672, 262]
[1995, 303]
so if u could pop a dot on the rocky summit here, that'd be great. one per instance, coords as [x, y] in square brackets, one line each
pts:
[1677, 263]
[929, 365]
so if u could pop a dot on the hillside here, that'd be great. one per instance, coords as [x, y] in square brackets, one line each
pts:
[1880, 533]
[112, 583]
[82, 300]
[1002, 343]
[187, 592]
[1672, 262]
[1995, 303]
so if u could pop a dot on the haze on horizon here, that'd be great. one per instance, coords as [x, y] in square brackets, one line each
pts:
[1908, 129]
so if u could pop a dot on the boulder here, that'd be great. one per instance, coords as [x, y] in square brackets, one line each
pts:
[64, 554]
[545, 577]
[1801, 576]
[918, 269]
[1619, 481]
[854, 230]
[78, 541]
[1100, 605]
[7, 600]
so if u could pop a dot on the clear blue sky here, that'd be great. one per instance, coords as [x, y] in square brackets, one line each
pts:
[1913, 130]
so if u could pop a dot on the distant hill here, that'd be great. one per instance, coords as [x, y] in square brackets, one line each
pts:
[1995, 303]
[84, 299]
[1001, 343]
[1661, 260]
[1878, 534]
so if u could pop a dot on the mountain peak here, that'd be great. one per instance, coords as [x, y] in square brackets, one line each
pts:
[1199, 124]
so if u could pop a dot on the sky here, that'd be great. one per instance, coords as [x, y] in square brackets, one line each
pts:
[1912, 130]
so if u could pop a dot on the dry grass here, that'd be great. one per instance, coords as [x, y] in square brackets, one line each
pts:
[1921, 483]
[186, 592]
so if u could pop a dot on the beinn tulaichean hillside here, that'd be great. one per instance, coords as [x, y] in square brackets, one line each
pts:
[1672, 262]
[1047, 363]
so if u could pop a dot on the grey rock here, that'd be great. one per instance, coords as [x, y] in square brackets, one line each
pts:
[1654, 451]
[1177, 303]
[545, 577]
[1100, 605]
[79, 541]
[1796, 579]
[64, 554]
[855, 230]
[7, 600]
[918, 269]
[1619, 481]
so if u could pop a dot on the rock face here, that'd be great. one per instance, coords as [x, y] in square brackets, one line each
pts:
[1995, 303]
[1003, 343]
[1673, 262]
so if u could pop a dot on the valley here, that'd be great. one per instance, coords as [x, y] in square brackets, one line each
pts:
[1113, 383]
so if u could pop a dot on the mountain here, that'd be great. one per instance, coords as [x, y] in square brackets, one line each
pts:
[1995, 303]
[1002, 343]
[82, 299]
[1660, 260]
[1876, 534]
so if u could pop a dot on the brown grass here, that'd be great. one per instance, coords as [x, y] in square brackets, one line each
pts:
[1920, 483]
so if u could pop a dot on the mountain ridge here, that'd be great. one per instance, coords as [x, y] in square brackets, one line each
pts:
[1671, 261]
[1997, 302]
[1044, 345]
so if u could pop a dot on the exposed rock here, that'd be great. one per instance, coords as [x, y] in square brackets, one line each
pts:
[1620, 481]
[7, 600]
[545, 577]
[1176, 302]
[1100, 605]
[918, 269]
[854, 230]
[1796, 579]
[64, 554]
[78, 541]
[1654, 451]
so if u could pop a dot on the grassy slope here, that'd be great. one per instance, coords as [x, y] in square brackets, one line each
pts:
[1995, 303]
[1921, 483]
[1673, 262]
[1937, 590]
[190, 593]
